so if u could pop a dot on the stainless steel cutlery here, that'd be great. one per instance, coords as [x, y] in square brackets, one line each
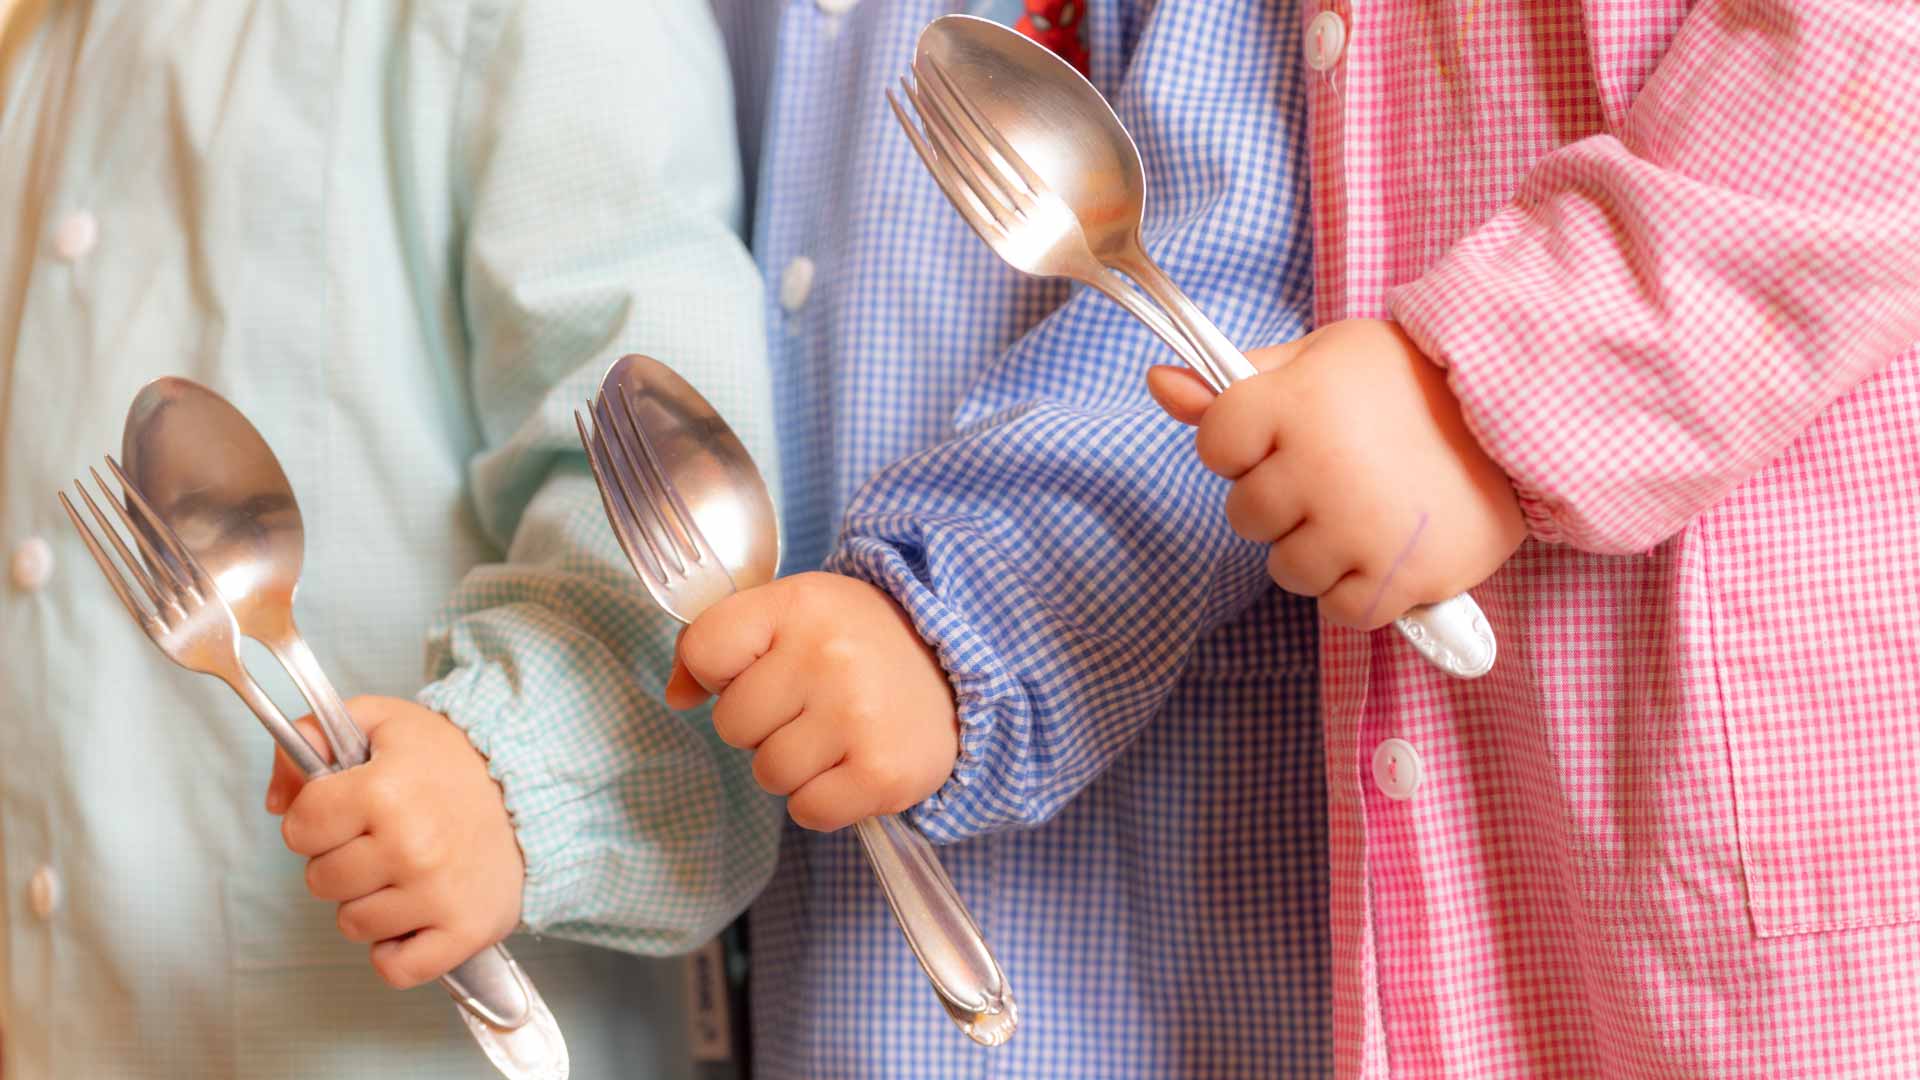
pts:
[692, 513]
[196, 465]
[1038, 164]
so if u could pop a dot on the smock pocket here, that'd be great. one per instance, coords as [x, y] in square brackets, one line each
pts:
[1813, 566]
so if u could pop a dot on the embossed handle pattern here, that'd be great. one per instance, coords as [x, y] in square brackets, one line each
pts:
[1453, 634]
[942, 935]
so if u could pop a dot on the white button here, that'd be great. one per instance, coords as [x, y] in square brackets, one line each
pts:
[32, 564]
[836, 7]
[1396, 769]
[796, 284]
[43, 892]
[75, 236]
[1326, 39]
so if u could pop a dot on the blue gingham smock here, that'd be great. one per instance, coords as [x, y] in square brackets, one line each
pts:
[1137, 816]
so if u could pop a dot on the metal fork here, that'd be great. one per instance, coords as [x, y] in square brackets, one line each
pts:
[680, 569]
[1013, 209]
[185, 616]
[1032, 227]
[651, 520]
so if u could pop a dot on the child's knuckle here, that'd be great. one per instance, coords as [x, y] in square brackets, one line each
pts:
[1244, 515]
[384, 793]
[1279, 562]
[810, 591]
[417, 850]
[810, 815]
[696, 648]
[839, 655]
[1209, 442]
[394, 970]
[882, 775]
[769, 773]
[730, 722]
[1342, 608]
[293, 830]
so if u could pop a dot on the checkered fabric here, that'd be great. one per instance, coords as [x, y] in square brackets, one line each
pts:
[1670, 256]
[406, 240]
[1137, 816]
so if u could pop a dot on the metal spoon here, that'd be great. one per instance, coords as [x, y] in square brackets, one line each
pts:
[211, 477]
[693, 515]
[215, 480]
[1066, 133]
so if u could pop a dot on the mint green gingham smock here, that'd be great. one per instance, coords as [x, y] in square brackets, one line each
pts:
[406, 239]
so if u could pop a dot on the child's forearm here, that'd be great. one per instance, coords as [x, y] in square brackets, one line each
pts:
[641, 829]
[588, 233]
[1656, 316]
[1064, 564]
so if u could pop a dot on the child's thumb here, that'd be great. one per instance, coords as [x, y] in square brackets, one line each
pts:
[1180, 392]
[1186, 396]
[683, 690]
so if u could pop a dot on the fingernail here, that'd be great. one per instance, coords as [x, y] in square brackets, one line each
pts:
[276, 802]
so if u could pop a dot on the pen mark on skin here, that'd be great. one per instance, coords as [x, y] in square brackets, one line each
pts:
[1398, 561]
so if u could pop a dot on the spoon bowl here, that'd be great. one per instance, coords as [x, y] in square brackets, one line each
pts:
[213, 478]
[1055, 118]
[707, 464]
[1068, 134]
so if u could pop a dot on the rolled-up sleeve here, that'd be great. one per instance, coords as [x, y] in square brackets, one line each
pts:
[1062, 562]
[601, 200]
[1660, 311]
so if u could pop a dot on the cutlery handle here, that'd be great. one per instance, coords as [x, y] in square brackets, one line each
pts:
[343, 735]
[939, 930]
[1115, 288]
[288, 737]
[490, 985]
[1226, 359]
[1454, 634]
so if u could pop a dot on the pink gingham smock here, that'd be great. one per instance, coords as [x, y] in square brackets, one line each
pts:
[1670, 257]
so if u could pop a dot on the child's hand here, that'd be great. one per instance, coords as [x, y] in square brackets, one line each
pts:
[847, 711]
[415, 845]
[1349, 456]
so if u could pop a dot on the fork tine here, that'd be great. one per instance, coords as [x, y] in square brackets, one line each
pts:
[626, 518]
[969, 208]
[167, 578]
[919, 141]
[640, 512]
[944, 173]
[961, 158]
[913, 131]
[633, 452]
[614, 498]
[161, 598]
[184, 561]
[674, 510]
[100, 557]
[954, 122]
[1034, 184]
